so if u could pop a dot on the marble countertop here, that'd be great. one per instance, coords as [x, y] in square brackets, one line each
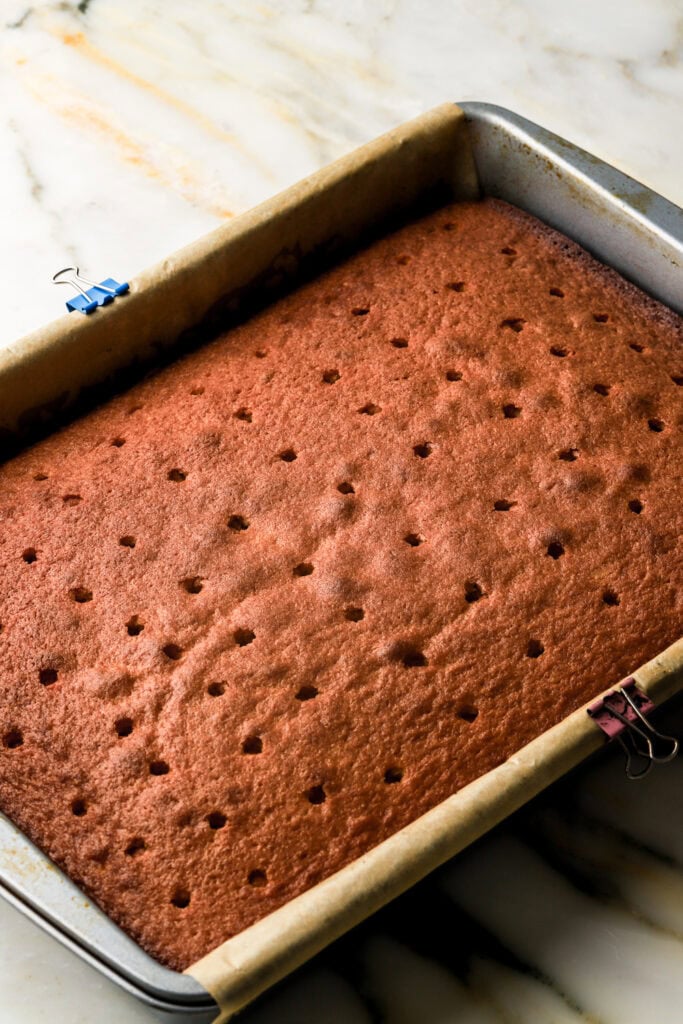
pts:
[131, 127]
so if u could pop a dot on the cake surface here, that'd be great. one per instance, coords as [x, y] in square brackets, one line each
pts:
[269, 606]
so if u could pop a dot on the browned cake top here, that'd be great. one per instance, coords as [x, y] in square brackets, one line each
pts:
[272, 604]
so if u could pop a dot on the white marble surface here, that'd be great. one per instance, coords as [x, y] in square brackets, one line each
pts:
[130, 127]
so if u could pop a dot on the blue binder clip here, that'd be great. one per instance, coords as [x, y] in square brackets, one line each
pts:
[98, 294]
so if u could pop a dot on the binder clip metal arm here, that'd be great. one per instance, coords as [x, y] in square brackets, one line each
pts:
[621, 716]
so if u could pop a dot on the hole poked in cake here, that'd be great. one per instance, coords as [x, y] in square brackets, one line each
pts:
[159, 767]
[555, 549]
[197, 390]
[399, 342]
[29, 555]
[177, 476]
[503, 505]
[48, 676]
[559, 351]
[288, 455]
[252, 745]
[453, 375]
[392, 775]
[173, 652]
[568, 454]
[677, 378]
[403, 260]
[611, 598]
[238, 524]
[257, 878]
[413, 657]
[12, 739]
[215, 689]
[456, 286]
[414, 540]
[601, 389]
[534, 649]
[100, 856]
[306, 692]
[360, 310]
[123, 726]
[81, 595]
[192, 584]
[303, 569]
[40, 477]
[316, 795]
[216, 820]
[473, 591]
[468, 713]
[346, 487]
[511, 411]
[71, 500]
[507, 250]
[118, 442]
[181, 899]
[635, 505]
[600, 318]
[243, 637]
[514, 323]
[370, 409]
[136, 846]
[331, 376]
[556, 292]
[423, 450]
[127, 541]
[636, 346]
[134, 626]
[656, 425]
[354, 614]
[79, 808]
[243, 414]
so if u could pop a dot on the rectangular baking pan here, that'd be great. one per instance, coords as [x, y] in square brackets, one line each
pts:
[451, 152]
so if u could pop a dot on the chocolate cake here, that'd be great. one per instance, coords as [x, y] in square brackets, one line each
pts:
[278, 600]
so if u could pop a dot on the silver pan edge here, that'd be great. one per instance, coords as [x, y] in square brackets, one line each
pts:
[620, 221]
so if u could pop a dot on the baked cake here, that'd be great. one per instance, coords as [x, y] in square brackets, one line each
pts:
[280, 599]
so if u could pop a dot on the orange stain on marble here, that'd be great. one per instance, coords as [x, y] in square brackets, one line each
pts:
[73, 38]
[78, 41]
[91, 120]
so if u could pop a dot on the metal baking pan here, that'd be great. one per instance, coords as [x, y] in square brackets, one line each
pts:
[620, 221]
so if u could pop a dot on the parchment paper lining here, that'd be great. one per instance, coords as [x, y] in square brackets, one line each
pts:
[43, 374]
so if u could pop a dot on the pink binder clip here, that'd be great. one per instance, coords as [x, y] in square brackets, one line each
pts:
[621, 716]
